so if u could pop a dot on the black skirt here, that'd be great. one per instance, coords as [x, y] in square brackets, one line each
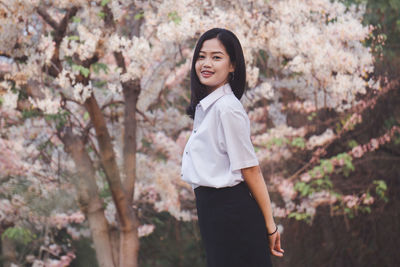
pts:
[232, 227]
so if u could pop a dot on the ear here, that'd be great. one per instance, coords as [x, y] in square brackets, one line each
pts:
[231, 67]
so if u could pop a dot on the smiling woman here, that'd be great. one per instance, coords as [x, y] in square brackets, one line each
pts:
[213, 65]
[219, 161]
[216, 40]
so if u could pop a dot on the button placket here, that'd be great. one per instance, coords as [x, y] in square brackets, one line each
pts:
[198, 119]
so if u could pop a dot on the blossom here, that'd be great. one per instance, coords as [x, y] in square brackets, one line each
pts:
[350, 200]
[9, 100]
[357, 152]
[279, 212]
[47, 46]
[367, 199]
[61, 220]
[48, 104]
[320, 140]
[305, 177]
[145, 229]
[321, 198]
[110, 213]
[88, 41]
[286, 189]
[252, 76]
[81, 92]
[65, 78]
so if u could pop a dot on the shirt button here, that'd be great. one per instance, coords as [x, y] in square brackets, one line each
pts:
[194, 131]
[187, 152]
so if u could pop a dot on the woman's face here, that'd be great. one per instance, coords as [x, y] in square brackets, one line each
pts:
[213, 64]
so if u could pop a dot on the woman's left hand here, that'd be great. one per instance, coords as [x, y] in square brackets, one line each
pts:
[275, 244]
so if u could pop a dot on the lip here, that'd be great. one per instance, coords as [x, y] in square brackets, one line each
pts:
[206, 73]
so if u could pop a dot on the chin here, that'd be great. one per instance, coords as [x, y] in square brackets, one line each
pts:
[209, 83]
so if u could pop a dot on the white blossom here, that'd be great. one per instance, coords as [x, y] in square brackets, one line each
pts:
[81, 92]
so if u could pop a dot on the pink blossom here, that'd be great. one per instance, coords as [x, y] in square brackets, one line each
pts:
[178, 75]
[320, 140]
[76, 217]
[321, 198]
[367, 200]
[52, 263]
[182, 139]
[38, 263]
[279, 212]
[353, 120]
[357, 152]
[286, 189]
[374, 144]
[305, 177]
[145, 229]
[350, 200]
[54, 249]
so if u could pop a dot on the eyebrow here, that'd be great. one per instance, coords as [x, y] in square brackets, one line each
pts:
[215, 52]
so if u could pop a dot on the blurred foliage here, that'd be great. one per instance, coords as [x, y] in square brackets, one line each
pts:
[19, 235]
[385, 15]
[172, 244]
[85, 254]
[362, 237]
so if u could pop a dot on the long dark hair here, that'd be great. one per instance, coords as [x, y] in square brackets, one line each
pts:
[235, 52]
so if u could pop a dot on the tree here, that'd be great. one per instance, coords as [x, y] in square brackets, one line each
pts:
[107, 83]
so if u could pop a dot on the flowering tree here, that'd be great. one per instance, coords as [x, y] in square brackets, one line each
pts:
[97, 92]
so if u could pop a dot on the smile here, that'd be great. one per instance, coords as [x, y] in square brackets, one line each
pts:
[206, 73]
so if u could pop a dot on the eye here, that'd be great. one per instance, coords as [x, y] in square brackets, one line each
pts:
[217, 57]
[201, 56]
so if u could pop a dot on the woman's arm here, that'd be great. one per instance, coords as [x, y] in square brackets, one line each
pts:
[255, 181]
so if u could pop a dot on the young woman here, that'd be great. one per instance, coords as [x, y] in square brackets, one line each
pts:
[233, 204]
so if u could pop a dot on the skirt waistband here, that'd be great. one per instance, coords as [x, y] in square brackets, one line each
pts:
[201, 189]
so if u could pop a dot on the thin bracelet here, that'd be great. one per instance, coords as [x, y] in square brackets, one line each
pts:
[274, 231]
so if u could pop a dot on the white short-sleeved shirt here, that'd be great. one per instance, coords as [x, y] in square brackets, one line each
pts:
[219, 145]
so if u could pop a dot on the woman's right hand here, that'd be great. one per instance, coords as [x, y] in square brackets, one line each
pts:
[275, 244]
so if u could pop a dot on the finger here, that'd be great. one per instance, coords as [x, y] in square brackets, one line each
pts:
[278, 242]
[278, 248]
[276, 253]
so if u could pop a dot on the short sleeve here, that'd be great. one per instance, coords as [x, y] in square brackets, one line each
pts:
[235, 128]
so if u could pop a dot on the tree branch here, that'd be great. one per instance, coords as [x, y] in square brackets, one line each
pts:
[131, 91]
[41, 10]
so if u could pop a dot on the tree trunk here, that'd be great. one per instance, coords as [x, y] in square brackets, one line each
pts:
[129, 240]
[99, 229]
[114, 236]
[88, 198]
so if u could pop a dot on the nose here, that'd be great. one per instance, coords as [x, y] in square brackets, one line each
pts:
[207, 62]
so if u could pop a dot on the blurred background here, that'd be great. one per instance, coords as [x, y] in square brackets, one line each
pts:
[93, 125]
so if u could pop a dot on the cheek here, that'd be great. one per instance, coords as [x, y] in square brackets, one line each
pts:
[197, 66]
[224, 67]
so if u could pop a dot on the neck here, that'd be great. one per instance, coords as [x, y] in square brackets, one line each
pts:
[212, 89]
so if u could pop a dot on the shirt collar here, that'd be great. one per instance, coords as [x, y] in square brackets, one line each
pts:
[215, 95]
